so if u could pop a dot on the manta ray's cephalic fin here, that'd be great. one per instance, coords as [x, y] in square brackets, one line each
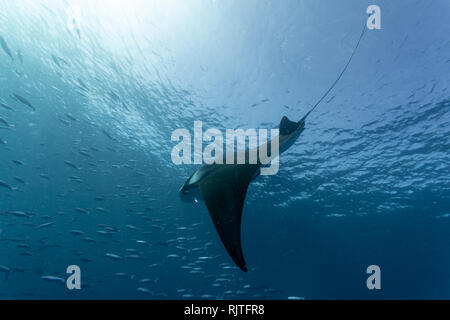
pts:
[224, 193]
[287, 126]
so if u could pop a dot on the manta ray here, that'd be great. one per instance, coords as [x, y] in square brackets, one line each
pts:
[223, 187]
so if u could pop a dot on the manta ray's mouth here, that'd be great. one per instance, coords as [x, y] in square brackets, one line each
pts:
[189, 193]
[184, 191]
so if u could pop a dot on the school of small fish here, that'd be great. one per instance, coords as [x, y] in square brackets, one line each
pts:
[93, 207]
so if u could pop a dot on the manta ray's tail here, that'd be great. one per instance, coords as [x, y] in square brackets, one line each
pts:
[338, 78]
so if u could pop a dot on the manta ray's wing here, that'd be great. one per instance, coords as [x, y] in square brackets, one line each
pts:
[224, 193]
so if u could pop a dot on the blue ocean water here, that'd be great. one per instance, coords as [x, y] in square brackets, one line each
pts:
[91, 92]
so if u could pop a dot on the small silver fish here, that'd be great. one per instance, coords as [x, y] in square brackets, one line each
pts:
[24, 101]
[70, 164]
[6, 106]
[44, 225]
[4, 269]
[4, 122]
[5, 185]
[113, 256]
[20, 214]
[52, 279]
[145, 290]
[5, 47]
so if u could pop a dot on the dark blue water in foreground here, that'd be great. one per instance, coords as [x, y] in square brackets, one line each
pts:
[368, 182]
